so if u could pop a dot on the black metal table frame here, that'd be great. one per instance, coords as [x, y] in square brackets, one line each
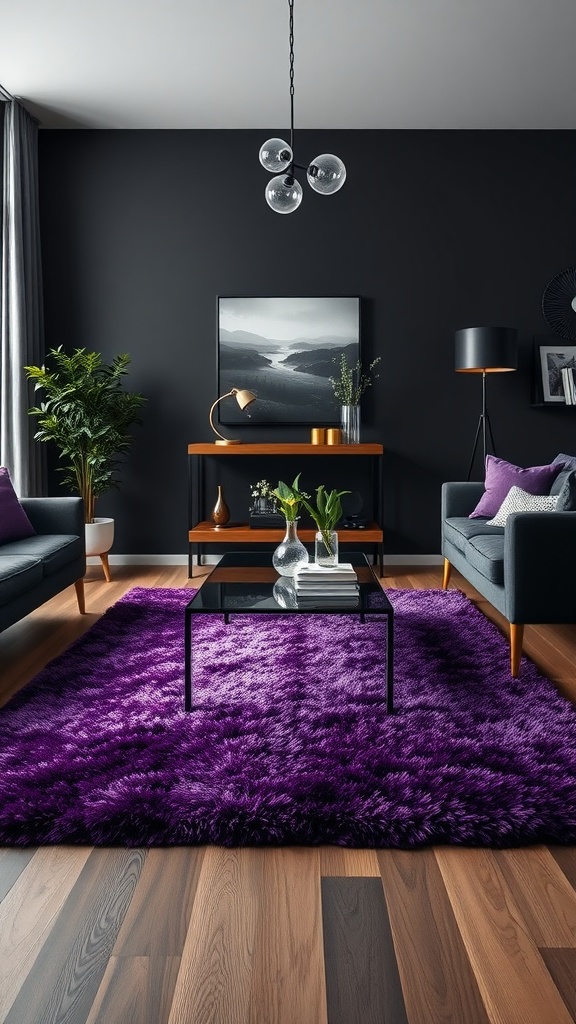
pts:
[387, 612]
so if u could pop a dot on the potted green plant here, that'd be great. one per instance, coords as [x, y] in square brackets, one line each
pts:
[86, 413]
[326, 513]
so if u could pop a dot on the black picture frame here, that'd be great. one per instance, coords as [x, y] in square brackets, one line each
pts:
[551, 354]
[284, 349]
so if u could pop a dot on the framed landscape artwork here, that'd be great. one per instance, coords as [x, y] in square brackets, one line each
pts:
[553, 357]
[284, 350]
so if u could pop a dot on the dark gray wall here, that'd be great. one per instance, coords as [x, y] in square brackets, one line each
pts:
[436, 230]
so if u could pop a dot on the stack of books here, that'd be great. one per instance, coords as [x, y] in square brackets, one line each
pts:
[334, 587]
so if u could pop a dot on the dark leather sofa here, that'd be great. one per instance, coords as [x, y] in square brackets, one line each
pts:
[37, 568]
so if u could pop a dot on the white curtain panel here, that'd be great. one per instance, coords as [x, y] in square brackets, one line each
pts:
[21, 309]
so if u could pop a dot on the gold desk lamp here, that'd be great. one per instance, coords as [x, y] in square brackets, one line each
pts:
[244, 399]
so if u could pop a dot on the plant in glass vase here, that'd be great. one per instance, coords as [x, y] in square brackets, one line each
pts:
[326, 513]
[349, 387]
[289, 498]
[290, 553]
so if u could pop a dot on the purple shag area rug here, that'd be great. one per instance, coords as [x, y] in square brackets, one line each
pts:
[290, 742]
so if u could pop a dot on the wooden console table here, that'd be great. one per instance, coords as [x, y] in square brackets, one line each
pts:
[201, 531]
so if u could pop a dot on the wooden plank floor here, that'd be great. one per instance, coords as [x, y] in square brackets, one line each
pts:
[281, 936]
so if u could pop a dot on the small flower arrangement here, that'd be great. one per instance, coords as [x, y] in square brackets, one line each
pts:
[289, 498]
[352, 382]
[263, 497]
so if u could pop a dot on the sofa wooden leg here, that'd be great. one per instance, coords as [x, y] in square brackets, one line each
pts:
[106, 567]
[516, 637]
[79, 585]
[447, 572]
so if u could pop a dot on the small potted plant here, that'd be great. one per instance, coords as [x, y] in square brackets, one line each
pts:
[263, 497]
[86, 414]
[263, 512]
[326, 513]
[349, 388]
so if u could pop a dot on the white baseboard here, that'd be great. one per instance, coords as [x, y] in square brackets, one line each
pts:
[214, 559]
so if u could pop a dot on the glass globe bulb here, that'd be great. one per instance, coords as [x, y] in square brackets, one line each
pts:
[275, 155]
[283, 193]
[326, 174]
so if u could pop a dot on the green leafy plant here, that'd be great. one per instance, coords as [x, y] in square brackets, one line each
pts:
[289, 498]
[86, 413]
[353, 381]
[326, 513]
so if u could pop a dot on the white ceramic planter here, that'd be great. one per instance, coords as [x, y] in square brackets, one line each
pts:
[99, 536]
[99, 540]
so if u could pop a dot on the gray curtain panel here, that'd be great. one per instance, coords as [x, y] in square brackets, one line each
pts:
[21, 310]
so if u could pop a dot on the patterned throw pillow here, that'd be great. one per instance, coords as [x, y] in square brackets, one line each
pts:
[518, 500]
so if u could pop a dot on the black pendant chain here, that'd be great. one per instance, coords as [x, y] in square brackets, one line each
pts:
[291, 6]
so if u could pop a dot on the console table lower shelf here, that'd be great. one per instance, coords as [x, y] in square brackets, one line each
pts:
[205, 533]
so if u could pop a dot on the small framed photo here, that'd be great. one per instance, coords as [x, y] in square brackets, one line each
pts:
[553, 358]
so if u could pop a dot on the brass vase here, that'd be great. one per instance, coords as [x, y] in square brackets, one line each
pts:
[220, 512]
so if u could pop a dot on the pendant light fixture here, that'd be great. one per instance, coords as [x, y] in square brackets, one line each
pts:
[326, 173]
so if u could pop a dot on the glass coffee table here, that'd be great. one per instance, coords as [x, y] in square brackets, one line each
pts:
[245, 583]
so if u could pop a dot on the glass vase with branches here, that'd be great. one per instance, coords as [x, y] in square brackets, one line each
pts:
[352, 381]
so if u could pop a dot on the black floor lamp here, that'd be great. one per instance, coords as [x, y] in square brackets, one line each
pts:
[485, 350]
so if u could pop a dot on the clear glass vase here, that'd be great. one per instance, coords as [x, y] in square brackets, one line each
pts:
[350, 423]
[284, 593]
[291, 553]
[326, 547]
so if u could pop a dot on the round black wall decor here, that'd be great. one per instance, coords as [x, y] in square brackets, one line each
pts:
[559, 304]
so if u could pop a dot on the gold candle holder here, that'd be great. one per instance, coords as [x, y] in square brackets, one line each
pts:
[333, 435]
[318, 435]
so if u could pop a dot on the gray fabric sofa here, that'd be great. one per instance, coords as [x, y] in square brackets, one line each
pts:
[527, 569]
[35, 569]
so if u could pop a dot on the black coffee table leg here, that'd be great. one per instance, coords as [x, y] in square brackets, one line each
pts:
[390, 662]
[187, 660]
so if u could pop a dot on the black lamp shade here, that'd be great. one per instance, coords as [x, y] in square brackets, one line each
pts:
[486, 349]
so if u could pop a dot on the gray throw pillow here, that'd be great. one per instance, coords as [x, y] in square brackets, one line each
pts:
[560, 481]
[568, 464]
[567, 461]
[567, 496]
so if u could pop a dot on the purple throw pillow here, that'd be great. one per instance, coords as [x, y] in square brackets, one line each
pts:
[14, 523]
[501, 476]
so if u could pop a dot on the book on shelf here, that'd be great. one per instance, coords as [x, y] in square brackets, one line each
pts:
[265, 521]
[569, 384]
[344, 571]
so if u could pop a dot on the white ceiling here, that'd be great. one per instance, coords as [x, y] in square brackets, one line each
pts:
[358, 63]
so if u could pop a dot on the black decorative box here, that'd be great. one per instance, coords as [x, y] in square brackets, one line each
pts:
[266, 521]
